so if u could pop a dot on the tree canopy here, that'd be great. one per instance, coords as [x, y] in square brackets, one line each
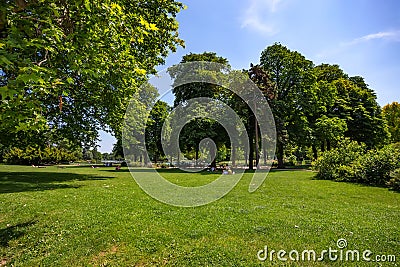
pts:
[391, 113]
[69, 68]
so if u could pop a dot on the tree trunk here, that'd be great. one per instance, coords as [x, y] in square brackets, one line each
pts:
[279, 155]
[328, 145]
[251, 144]
[256, 143]
[197, 156]
[265, 155]
[213, 152]
[315, 152]
[233, 155]
[251, 157]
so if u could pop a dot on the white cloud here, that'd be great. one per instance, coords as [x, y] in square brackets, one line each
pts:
[254, 15]
[388, 35]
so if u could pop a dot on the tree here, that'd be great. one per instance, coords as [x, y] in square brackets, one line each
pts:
[153, 130]
[344, 107]
[329, 73]
[262, 80]
[391, 113]
[200, 128]
[192, 90]
[325, 126]
[292, 74]
[118, 151]
[363, 115]
[69, 67]
[329, 130]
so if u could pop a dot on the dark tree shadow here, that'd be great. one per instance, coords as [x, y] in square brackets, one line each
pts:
[174, 170]
[14, 232]
[11, 182]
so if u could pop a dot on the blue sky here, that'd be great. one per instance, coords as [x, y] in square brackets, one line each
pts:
[362, 36]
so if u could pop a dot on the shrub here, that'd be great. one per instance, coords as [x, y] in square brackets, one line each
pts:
[394, 182]
[14, 156]
[291, 160]
[376, 166]
[336, 163]
[349, 163]
[34, 155]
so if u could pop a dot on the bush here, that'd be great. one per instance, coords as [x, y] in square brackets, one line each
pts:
[394, 182]
[336, 163]
[291, 160]
[350, 163]
[376, 166]
[34, 155]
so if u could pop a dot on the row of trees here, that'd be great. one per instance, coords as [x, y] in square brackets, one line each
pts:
[71, 68]
[314, 107]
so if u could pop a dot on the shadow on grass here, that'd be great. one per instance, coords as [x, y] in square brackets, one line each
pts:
[147, 170]
[202, 172]
[12, 182]
[14, 232]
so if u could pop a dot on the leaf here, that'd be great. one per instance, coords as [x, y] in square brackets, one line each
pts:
[153, 27]
[87, 5]
[70, 80]
[140, 71]
[4, 60]
[6, 92]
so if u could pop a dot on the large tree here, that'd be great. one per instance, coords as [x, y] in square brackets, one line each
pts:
[200, 128]
[292, 74]
[356, 103]
[69, 67]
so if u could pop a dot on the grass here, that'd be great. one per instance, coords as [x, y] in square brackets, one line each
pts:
[100, 217]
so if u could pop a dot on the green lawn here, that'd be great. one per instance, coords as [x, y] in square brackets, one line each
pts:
[99, 217]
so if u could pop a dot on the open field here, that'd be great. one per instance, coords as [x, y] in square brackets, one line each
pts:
[80, 216]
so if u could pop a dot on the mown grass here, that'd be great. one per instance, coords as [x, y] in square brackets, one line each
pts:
[100, 217]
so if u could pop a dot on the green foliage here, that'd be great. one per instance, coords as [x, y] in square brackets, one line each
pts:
[291, 160]
[69, 67]
[200, 128]
[293, 76]
[187, 91]
[358, 106]
[153, 130]
[35, 155]
[376, 166]
[391, 113]
[330, 129]
[352, 163]
[336, 163]
[394, 182]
